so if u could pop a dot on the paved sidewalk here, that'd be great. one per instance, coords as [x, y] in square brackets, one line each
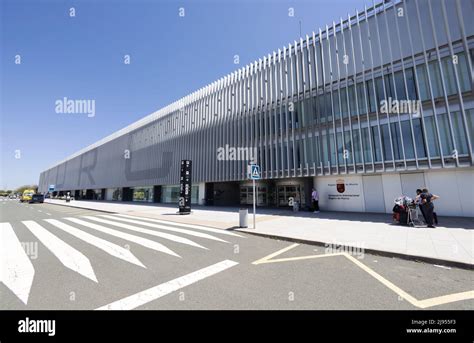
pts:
[452, 241]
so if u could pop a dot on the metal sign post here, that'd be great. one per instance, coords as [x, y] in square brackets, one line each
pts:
[254, 175]
[254, 204]
[51, 190]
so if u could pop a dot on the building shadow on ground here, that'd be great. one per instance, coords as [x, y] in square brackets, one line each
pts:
[444, 221]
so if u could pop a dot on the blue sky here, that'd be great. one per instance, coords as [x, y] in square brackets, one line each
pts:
[82, 57]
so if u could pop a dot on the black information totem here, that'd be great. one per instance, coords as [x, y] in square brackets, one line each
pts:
[185, 188]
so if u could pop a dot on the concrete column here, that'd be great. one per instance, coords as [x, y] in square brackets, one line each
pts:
[202, 193]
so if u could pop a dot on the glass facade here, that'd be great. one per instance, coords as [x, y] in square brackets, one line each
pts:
[376, 92]
[114, 194]
[170, 194]
[97, 194]
[143, 194]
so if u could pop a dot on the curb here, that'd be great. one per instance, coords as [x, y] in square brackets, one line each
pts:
[114, 212]
[415, 258]
[81, 208]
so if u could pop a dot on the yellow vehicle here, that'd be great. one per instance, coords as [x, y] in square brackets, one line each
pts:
[27, 195]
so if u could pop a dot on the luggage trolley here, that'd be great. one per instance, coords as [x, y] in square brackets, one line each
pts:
[407, 212]
[415, 219]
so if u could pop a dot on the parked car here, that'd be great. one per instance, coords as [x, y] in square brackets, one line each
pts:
[27, 195]
[37, 198]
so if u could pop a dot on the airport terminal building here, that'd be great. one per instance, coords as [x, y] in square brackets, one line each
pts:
[366, 109]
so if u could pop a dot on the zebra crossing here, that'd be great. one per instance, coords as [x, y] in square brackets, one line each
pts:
[17, 271]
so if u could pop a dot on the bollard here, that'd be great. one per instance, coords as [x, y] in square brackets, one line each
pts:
[243, 217]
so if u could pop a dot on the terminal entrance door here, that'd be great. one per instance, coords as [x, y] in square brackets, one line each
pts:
[246, 195]
[285, 192]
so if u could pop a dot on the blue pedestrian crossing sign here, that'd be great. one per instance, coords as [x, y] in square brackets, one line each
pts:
[255, 172]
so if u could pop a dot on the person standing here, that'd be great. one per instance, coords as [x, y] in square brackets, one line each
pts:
[315, 200]
[428, 206]
[418, 201]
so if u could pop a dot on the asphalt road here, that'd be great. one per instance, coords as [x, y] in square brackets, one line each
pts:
[64, 258]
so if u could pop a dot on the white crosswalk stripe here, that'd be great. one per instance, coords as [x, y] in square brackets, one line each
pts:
[147, 231]
[67, 255]
[16, 270]
[191, 226]
[162, 227]
[110, 248]
[132, 238]
[133, 301]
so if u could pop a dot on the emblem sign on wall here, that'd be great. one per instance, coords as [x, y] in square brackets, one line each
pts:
[340, 186]
[340, 194]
